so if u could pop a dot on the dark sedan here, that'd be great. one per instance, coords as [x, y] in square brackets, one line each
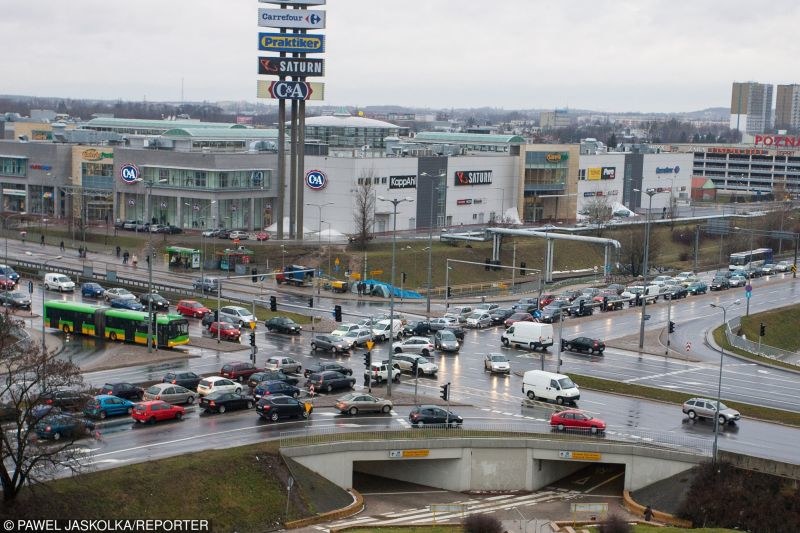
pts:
[551, 314]
[56, 426]
[270, 375]
[584, 344]
[698, 287]
[185, 379]
[329, 343]
[576, 309]
[675, 292]
[16, 299]
[719, 284]
[268, 388]
[330, 380]
[500, 315]
[283, 324]
[219, 402]
[129, 391]
[416, 328]
[276, 407]
[132, 305]
[64, 398]
[424, 415]
[322, 367]
[158, 302]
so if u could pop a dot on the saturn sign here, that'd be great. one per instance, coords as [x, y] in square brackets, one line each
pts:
[316, 180]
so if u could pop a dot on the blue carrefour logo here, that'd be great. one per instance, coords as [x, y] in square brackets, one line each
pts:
[316, 179]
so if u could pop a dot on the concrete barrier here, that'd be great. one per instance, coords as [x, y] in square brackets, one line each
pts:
[658, 516]
[356, 507]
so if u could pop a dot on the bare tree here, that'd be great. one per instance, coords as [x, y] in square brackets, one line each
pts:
[28, 373]
[598, 211]
[364, 214]
[632, 239]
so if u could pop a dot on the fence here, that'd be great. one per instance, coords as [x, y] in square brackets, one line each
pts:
[753, 347]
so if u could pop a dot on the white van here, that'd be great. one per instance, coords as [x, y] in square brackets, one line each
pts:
[651, 293]
[381, 330]
[58, 282]
[532, 335]
[550, 386]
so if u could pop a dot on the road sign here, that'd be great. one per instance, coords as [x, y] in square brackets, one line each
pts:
[748, 294]
[375, 272]
[688, 345]
[336, 261]
[253, 324]
[369, 345]
[748, 288]
[647, 317]
[794, 269]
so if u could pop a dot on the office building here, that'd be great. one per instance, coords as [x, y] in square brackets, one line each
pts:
[787, 108]
[751, 107]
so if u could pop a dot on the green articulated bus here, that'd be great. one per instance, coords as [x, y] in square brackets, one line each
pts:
[115, 324]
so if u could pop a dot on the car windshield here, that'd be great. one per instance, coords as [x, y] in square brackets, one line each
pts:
[566, 383]
[447, 335]
[499, 358]
[722, 406]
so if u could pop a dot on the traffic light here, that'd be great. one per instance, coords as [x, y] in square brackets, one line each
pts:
[415, 367]
[562, 345]
[522, 268]
[216, 315]
[367, 359]
[273, 303]
[487, 264]
[449, 291]
[762, 330]
[402, 277]
[254, 273]
[311, 302]
[671, 326]
[445, 395]
[337, 313]
[252, 338]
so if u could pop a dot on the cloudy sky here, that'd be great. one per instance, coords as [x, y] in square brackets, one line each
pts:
[620, 55]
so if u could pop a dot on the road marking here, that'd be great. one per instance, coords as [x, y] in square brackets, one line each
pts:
[664, 374]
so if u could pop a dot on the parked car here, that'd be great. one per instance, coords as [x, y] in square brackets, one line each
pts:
[154, 411]
[496, 362]
[518, 317]
[105, 405]
[357, 337]
[283, 324]
[206, 284]
[576, 419]
[92, 290]
[239, 370]
[57, 425]
[274, 408]
[225, 331]
[220, 402]
[271, 375]
[330, 343]
[169, 229]
[238, 315]
[261, 236]
[287, 364]
[697, 287]
[223, 233]
[405, 363]
[158, 302]
[118, 293]
[210, 232]
[9, 412]
[16, 299]
[500, 315]
[192, 308]
[361, 402]
[705, 408]
[421, 345]
[265, 388]
[330, 380]
[170, 393]
[184, 378]
[479, 319]
[217, 384]
[719, 283]
[584, 344]
[427, 415]
[238, 234]
[327, 365]
[446, 341]
[129, 391]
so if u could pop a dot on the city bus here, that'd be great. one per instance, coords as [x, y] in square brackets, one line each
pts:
[750, 260]
[115, 324]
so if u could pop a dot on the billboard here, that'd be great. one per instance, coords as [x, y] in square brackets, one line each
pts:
[304, 19]
[473, 177]
[295, 2]
[291, 66]
[290, 90]
[294, 43]
[609, 173]
[402, 182]
[594, 173]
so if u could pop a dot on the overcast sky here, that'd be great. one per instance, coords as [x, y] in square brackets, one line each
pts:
[620, 55]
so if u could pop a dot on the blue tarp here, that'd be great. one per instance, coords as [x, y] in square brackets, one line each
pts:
[383, 289]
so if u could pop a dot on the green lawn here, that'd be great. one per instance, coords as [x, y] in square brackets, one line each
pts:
[781, 327]
[261, 313]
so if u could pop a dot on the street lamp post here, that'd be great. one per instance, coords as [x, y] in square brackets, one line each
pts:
[149, 187]
[649, 192]
[44, 268]
[719, 385]
[394, 202]
[203, 243]
[319, 240]
[430, 243]
[5, 229]
[502, 203]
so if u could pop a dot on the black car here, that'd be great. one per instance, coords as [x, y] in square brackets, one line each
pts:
[185, 379]
[613, 302]
[416, 328]
[223, 234]
[219, 402]
[270, 375]
[329, 343]
[58, 425]
[283, 324]
[719, 284]
[159, 303]
[499, 315]
[169, 229]
[576, 309]
[15, 299]
[8, 412]
[269, 388]
[277, 407]
[425, 415]
[583, 344]
[328, 365]
[550, 314]
[64, 399]
[675, 292]
[329, 380]
[129, 391]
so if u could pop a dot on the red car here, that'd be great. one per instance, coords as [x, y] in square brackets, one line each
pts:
[156, 411]
[576, 419]
[547, 299]
[262, 236]
[519, 317]
[227, 331]
[6, 283]
[192, 308]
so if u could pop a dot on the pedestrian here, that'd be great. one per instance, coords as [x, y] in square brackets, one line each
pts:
[125, 257]
[118, 250]
[134, 260]
[147, 259]
[80, 251]
[42, 240]
[61, 245]
[648, 513]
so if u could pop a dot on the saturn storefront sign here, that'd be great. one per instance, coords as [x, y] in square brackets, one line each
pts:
[291, 66]
[402, 182]
[473, 177]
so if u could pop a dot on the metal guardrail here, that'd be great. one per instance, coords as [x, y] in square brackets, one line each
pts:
[764, 350]
[629, 437]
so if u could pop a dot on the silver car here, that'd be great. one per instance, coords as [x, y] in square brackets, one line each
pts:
[357, 337]
[287, 364]
[170, 393]
[421, 345]
[705, 408]
[446, 341]
[405, 362]
[496, 362]
[240, 316]
[479, 319]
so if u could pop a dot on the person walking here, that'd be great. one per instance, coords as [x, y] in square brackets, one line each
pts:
[135, 260]
[42, 240]
[125, 257]
[648, 514]
[118, 250]
[61, 246]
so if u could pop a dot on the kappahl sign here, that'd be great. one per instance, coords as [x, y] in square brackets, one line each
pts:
[473, 177]
[402, 182]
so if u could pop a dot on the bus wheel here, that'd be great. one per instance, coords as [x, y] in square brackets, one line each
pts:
[112, 335]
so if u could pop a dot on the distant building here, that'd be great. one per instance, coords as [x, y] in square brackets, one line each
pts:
[751, 107]
[554, 119]
[787, 107]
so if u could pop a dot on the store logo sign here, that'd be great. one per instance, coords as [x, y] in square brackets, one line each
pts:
[473, 177]
[402, 182]
[316, 180]
[129, 173]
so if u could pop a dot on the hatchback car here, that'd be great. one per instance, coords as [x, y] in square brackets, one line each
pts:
[420, 345]
[239, 370]
[225, 331]
[496, 362]
[500, 315]
[737, 281]
[122, 303]
[15, 299]
[104, 405]
[238, 234]
[432, 415]
[118, 293]
[330, 343]
[64, 398]
[283, 324]
[129, 391]
[274, 408]
[357, 337]
[238, 315]
[266, 388]
[57, 425]
[405, 362]
[220, 402]
[719, 284]
[446, 341]
[697, 287]
[417, 327]
[783, 266]
[479, 319]
[192, 308]
[206, 284]
[92, 290]
[705, 408]
[170, 393]
[551, 313]
[576, 419]
[342, 329]
[158, 302]
[327, 365]
[330, 380]
[584, 344]
[11, 274]
[216, 384]
[518, 317]
[359, 402]
[155, 411]
[444, 322]
[271, 375]
[185, 379]
[287, 364]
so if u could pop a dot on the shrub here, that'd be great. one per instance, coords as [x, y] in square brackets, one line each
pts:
[482, 523]
[615, 524]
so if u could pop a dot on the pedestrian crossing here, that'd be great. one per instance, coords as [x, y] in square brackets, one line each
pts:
[424, 515]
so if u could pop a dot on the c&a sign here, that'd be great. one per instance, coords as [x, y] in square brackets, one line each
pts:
[473, 177]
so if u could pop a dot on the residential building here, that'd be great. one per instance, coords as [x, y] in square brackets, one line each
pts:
[787, 108]
[751, 107]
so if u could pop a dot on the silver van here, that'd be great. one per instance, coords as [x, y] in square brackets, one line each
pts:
[58, 282]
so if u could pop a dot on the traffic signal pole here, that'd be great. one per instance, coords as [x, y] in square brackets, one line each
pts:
[669, 323]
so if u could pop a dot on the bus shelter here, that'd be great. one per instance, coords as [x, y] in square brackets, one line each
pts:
[180, 257]
[235, 259]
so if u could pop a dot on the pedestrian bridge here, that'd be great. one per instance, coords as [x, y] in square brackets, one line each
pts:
[489, 459]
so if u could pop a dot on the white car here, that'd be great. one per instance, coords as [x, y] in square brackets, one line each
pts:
[240, 316]
[783, 266]
[403, 361]
[343, 329]
[421, 345]
[661, 280]
[217, 384]
[118, 294]
[241, 235]
[496, 362]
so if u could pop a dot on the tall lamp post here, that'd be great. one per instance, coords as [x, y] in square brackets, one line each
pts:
[649, 192]
[719, 385]
[502, 202]
[203, 244]
[149, 188]
[319, 239]
[431, 223]
[44, 269]
[395, 202]
[5, 229]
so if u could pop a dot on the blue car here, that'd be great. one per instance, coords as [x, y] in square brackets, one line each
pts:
[104, 405]
[92, 290]
[63, 425]
[268, 388]
[10, 273]
[131, 305]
